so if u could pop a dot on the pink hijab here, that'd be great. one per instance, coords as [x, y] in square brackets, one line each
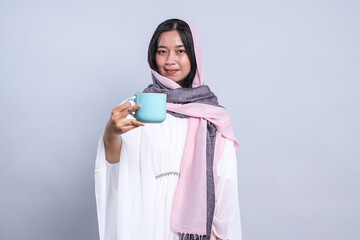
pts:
[192, 180]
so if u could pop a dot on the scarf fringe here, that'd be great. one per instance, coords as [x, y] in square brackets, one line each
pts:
[188, 236]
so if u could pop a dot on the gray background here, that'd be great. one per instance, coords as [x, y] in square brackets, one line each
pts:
[287, 72]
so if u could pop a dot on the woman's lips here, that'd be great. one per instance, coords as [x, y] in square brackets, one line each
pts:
[172, 71]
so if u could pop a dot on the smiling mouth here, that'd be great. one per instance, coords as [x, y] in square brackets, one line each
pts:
[172, 71]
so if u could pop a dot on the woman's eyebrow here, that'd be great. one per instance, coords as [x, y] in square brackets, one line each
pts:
[178, 46]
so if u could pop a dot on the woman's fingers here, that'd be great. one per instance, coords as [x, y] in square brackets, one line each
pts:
[117, 111]
[132, 109]
[127, 122]
[119, 119]
[123, 125]
[124, 109]
[123, 106]
[128, 128]
[137, 123]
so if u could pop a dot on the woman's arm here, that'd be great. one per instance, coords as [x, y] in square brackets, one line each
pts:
[117, 125]
[112, 144]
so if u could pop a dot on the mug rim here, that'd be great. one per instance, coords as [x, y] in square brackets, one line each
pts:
[151, 93]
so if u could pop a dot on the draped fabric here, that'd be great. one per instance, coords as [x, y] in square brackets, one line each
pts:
[134, 203]
[194, 202]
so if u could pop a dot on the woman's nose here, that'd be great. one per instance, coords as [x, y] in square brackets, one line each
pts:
[171, 59]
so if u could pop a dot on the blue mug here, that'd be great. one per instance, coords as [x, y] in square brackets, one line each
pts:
[153, 107]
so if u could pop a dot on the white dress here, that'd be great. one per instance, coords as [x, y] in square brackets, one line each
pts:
[134, 197]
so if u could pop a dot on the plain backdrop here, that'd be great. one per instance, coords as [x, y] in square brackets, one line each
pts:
[287, 71]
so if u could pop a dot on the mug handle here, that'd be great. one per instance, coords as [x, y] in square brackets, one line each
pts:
[132, 99]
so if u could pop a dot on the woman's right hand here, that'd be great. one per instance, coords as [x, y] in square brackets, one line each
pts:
[117, 125]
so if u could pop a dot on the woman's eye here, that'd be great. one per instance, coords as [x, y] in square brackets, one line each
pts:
[181, 51]
[161, 52]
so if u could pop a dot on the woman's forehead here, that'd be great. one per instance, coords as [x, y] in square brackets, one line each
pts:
[170, 39]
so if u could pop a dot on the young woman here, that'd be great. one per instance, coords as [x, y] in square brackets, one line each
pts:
[176, 179]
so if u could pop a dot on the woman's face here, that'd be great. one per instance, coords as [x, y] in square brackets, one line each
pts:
[171, 58]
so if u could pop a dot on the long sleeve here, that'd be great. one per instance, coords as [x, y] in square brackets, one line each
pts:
[131, 202]
[106, 176]
[114, 187]
[226, 224]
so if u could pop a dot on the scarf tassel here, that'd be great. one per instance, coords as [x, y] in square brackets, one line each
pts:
[188, 236]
